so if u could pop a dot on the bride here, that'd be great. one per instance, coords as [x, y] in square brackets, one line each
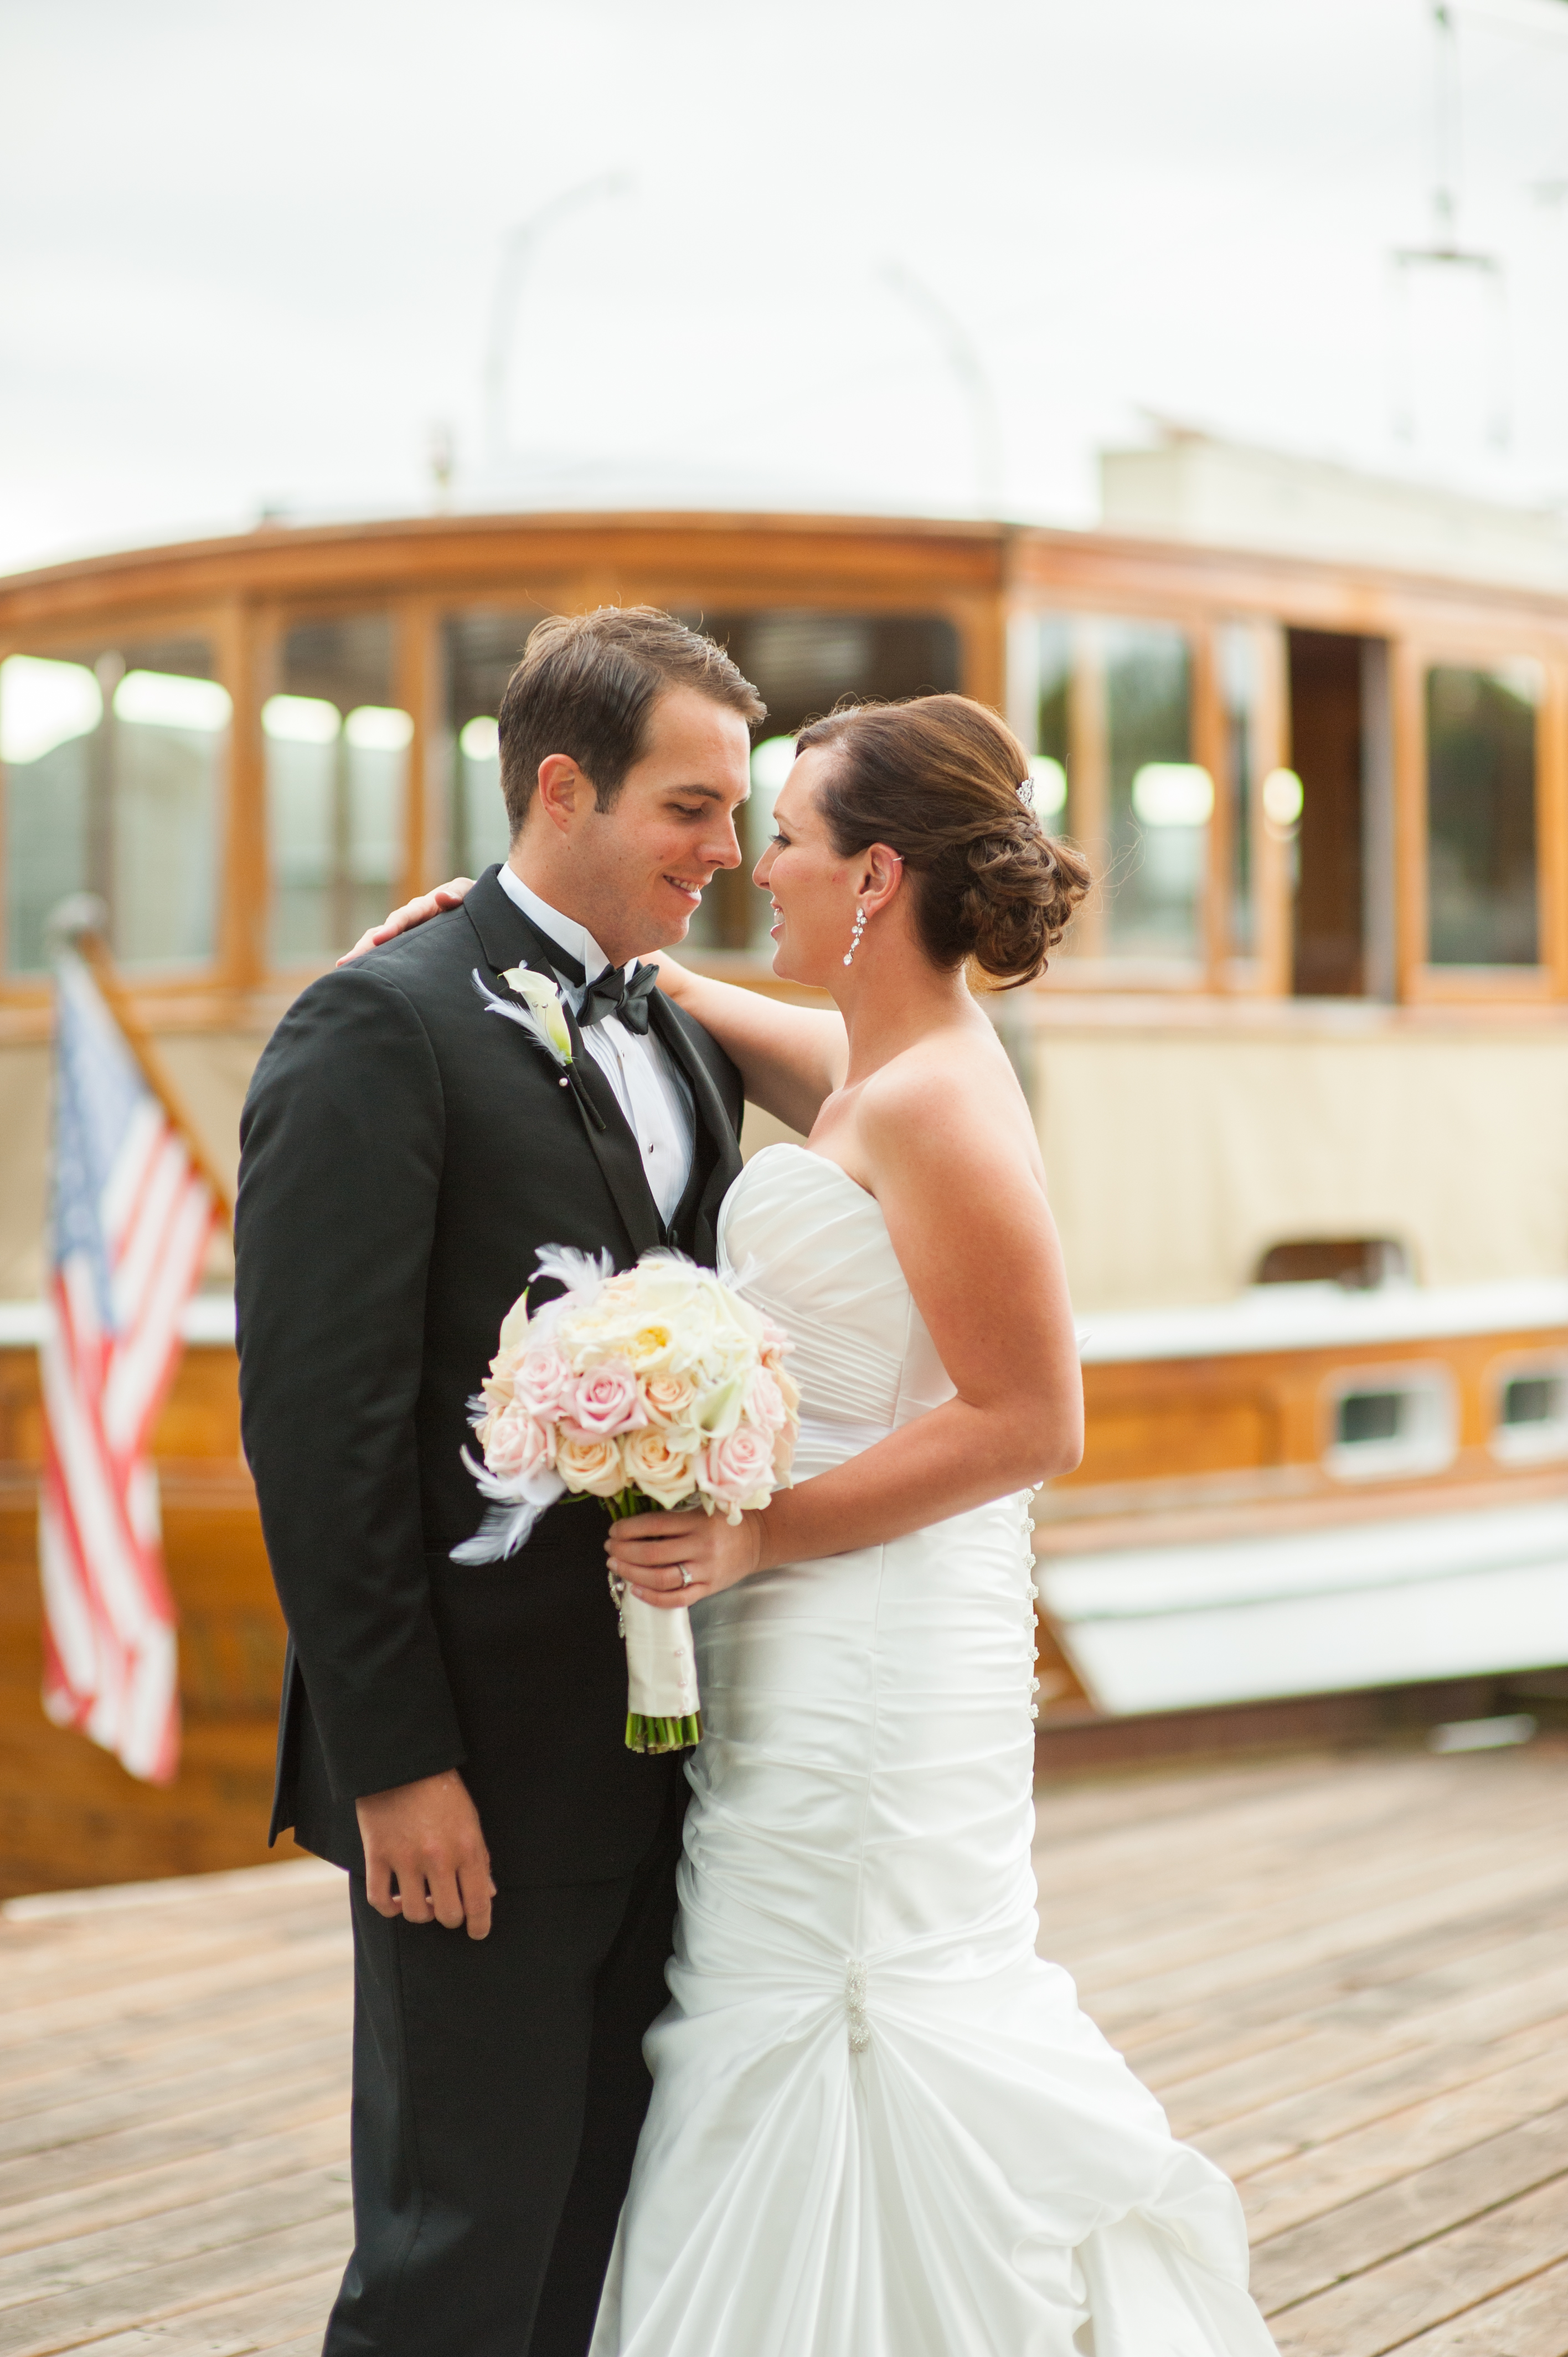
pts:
[880, 2124]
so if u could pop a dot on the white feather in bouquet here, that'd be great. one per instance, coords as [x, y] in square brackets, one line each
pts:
[657, 1388]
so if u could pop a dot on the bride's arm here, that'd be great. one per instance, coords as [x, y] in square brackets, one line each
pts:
[789, 1057]
[950, 1163]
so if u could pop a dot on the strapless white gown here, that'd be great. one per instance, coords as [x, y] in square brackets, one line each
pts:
[880, 2124]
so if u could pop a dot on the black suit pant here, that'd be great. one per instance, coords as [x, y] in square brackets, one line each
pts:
[499, 2091]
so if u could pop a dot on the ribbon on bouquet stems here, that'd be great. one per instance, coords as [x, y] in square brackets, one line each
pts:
[663, 1709]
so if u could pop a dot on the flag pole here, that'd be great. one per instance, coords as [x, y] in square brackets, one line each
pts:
[80, 922]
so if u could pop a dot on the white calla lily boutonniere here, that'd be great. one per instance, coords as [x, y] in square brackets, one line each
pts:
[537, 1008]
[543, 999]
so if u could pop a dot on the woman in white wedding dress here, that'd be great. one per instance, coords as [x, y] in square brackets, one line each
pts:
[880, 2125]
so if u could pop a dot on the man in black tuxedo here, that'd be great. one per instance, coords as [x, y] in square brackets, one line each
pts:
[453, 1736]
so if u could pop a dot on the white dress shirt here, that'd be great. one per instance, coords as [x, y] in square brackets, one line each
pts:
[650, 1088]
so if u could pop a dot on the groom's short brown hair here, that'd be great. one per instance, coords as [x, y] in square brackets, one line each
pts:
[586, 686]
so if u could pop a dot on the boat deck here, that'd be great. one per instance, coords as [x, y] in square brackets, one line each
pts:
[1346, 1978]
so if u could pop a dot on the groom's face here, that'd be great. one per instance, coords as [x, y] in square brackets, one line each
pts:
[635, 874]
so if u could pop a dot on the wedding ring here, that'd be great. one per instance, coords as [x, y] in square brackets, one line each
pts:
[685, 1571]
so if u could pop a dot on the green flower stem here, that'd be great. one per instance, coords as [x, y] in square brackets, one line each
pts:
[644, 1734]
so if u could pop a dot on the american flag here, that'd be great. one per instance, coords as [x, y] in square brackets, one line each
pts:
[130, 1216]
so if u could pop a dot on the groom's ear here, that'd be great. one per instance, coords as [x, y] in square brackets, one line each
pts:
[563, 791]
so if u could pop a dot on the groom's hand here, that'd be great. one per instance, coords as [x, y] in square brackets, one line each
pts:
[425, 1858]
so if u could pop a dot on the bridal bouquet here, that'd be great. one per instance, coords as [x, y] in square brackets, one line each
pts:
[657, 1388]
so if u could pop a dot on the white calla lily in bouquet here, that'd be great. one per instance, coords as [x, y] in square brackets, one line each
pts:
[654, 1389]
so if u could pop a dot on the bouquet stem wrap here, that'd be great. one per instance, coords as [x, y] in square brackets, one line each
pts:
[664, 1710]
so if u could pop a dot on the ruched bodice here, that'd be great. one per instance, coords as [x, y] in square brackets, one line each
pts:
[862, 1356]
[880, 2125]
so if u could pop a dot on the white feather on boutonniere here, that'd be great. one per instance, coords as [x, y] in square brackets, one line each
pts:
[538, 1010]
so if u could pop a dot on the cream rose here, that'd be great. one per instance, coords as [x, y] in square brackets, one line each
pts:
[587, 1460]
[657, 1466]
[668, 1398]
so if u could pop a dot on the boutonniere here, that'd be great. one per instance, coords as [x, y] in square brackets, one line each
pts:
[538, 1010]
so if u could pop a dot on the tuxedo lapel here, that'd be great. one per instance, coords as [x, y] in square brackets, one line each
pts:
[508, 938]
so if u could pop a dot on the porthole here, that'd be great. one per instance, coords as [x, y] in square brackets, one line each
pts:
[1385, 1421]
[1529, 1410]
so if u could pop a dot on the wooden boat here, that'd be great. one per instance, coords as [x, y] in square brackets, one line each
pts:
[1322, 995]
[1310, 1490]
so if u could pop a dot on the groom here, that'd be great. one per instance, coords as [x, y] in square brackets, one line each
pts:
[453, 1736]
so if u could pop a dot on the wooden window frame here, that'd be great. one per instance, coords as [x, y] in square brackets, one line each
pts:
[221, 626]
[1216, 971]
[1420, 983]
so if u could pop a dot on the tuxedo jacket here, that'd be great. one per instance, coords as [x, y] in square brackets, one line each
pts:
[405, 1153]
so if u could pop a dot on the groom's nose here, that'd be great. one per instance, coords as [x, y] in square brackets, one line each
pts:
[723, 850]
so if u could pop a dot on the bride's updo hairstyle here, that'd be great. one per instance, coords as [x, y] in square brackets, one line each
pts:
[937, 780]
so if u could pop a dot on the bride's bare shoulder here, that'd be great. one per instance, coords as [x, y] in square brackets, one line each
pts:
[952, 1095]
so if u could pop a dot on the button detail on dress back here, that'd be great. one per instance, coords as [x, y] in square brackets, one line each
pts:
[854, 2006]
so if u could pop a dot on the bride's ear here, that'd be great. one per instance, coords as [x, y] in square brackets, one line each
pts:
[881, 873]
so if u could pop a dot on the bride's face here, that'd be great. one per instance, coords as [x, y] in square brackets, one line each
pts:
[812, 887]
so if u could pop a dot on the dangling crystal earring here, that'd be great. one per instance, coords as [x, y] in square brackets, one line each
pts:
[854, 937]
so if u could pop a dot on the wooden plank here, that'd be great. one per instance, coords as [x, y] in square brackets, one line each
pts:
[268, 2319]
[282, 2102]
[1530, 2321]
[1396, 2146]
[145, 2194]
[75, 2318]
[1389, 2304]
[1360, 2234]
[118, 2255]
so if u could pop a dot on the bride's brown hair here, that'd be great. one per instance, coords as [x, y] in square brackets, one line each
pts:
[937, 780]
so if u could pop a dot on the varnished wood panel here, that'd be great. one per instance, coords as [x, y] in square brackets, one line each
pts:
[69, 1812]
[1155, 1420]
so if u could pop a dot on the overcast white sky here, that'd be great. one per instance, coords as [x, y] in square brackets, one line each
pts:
[248, 255]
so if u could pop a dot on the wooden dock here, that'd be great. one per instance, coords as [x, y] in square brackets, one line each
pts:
[1347, 1977]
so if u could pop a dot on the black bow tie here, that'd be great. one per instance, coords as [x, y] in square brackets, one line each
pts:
[613, 994]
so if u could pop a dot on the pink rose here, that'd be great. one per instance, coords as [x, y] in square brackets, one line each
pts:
[607, 1400]
[738, 1468]
[544, 1382]
[765, 1401]
[775, 1342]
[516, 1445]
[783, 1453]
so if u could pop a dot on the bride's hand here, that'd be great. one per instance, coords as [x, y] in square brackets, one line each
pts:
[649, 1552]
[412, 912]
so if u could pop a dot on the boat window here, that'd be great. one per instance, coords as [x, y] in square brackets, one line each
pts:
[1238, 694]
[113, 761]
[337, 772]
[1387, 1421]
[483, 647]
[1481, 830]
[1531, 1411]
[1113, 722]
